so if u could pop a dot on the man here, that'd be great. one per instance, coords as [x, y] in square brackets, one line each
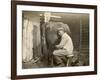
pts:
[64, 48]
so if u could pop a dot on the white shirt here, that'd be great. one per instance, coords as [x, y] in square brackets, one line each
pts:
[66, 43]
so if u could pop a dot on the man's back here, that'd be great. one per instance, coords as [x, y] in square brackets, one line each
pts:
[66, 43]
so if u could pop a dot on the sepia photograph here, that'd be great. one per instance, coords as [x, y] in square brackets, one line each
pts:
[53, 39]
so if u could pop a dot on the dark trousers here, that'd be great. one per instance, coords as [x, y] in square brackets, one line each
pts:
[62, 60]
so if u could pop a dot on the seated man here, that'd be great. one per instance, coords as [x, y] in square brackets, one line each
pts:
[64, 48]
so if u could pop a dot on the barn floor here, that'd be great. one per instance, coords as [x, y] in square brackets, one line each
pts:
[43, 63]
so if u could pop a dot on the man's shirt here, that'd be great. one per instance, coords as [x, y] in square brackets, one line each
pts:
[66, 43]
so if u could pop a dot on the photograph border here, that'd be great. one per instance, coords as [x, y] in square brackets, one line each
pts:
[14, 39]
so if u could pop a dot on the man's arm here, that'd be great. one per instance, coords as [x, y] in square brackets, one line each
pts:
[63, 42]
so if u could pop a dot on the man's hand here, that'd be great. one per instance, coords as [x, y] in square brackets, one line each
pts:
[58, 47]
